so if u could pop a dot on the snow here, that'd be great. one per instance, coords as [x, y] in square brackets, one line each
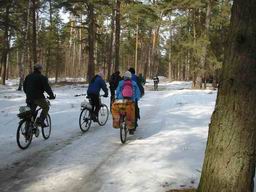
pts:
[166, 151]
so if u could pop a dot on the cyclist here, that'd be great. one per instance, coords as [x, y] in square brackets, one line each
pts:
[142, 80]
[113, 83]
[156, 81]
[96, 84]
[128, 89]
[141, 88]
[34, 86]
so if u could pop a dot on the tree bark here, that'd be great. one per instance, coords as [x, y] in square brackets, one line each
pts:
[136, 46]
[6, 44]
[91, 40]
[229, 163]
[117, 35]
[110, 56]
[34, 36]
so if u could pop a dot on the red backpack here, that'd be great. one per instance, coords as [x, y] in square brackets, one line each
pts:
[127, 90]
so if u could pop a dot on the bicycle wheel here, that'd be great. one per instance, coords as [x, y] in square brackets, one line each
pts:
[123, 130]
[85, 120]
[103, 115]
[24, 134]
[46, 131]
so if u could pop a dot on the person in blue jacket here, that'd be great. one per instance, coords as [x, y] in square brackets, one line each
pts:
[142, 92]
[96, 84]
[135, 96]
[136, 91]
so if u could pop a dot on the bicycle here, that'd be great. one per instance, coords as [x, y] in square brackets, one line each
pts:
[28, 126]
[123, 127]
[86, 115]
[121, 112]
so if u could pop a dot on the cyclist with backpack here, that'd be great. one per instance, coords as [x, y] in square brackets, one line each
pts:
[128, 89]
[96, 84]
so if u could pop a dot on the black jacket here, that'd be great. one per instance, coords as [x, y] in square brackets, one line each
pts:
[114, 80]
[35, 85]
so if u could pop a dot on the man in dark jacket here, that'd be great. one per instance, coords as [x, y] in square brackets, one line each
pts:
[97, 83]
[113, 83]
[35, 85]
[137, 109]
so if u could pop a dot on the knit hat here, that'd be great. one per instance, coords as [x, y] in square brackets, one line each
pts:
[38, 67]
[127, 75]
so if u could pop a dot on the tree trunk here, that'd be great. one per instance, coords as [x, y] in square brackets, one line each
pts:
[136, 46]
[110, 56]
[91, 40]
[34, 37]
[202, 68]
[229, 163]
[6, 44]
[117, 35]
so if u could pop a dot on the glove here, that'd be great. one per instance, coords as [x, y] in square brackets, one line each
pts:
[52, 97]
[106, 95]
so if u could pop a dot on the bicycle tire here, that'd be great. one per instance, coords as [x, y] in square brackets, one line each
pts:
[85, 115]
[26, 133]
[123, 131]
[49, 128]
[103, 112]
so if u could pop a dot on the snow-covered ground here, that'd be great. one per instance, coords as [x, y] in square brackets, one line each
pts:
[166, 151]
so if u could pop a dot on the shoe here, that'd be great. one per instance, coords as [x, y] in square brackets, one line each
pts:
[131, 131]
[36, 132]
[95, 118]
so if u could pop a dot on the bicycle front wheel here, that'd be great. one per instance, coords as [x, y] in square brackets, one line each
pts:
[46, 131]
[103, 115]
[123, 131]
[24, 134]
[85, 120]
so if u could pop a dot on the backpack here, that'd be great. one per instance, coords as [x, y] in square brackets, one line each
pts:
[127, 90]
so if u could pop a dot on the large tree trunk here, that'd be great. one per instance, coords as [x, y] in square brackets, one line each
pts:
[110, 56]
[136, 46]
[6, 44]
[34, 37]
[202, 68]
[117, 35]
[229, 163]
[91, 40]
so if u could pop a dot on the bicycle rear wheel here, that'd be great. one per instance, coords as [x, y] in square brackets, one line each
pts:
[123, 130]
[46, 131]
[85, 120]
[103, 115]
[24, 134]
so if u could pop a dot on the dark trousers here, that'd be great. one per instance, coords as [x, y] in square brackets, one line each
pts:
[137, 113]
[95, 102]
[42, 103]
[112, 97]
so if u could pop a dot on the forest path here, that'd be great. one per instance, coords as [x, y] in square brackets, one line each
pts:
[165, 152]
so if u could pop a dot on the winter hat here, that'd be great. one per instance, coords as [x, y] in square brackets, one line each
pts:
[132, 70]
[127, 75]
[38, 67]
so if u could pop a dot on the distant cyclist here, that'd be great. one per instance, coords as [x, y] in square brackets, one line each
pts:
[35, 85]
[128, 89]
[96, 84]
[156, 81]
